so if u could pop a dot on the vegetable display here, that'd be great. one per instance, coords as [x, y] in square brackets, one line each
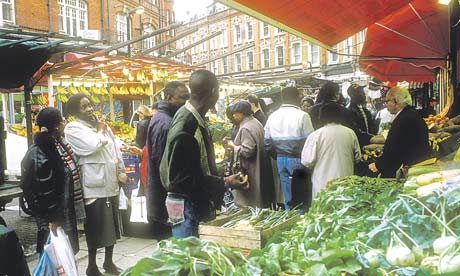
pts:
[259, 218]
[356, 226]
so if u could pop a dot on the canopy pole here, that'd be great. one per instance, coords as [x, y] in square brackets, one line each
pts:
[50, 91]
[28, 111]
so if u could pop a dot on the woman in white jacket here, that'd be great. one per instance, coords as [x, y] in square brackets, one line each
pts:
[101, 169]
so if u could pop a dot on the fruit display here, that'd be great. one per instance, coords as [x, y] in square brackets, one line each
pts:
[436, 120]
[122, 130]
[21, 130]
[99, 94]
[435, 138]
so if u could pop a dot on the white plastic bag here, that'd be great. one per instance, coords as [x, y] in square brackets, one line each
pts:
[123, 201]
[61, 253]
[138, 208]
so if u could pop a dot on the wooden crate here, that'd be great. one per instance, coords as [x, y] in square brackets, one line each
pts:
[243, 239]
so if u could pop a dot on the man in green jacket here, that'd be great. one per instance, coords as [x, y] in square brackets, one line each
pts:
[188, 168]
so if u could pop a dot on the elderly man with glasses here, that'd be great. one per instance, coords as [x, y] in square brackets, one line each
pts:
[407, 141]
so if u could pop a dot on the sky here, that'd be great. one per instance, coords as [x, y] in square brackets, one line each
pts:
[181, 7]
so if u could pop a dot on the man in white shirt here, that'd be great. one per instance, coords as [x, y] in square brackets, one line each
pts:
[330, 151]
[285, 133]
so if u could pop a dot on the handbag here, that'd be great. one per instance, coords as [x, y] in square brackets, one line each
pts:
[138, 208]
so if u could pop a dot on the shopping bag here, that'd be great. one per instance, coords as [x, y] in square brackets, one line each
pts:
[58, 258]
[123, 201]
[45, 266]
[138, 208]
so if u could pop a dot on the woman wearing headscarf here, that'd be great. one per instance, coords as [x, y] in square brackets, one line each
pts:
[51, 175]
[101, 169]
[248, 145]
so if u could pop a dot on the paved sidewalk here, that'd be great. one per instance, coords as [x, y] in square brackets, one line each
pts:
[126, 253]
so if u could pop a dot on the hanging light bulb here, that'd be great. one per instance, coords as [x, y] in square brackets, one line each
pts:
[125, 70]
[130, 77]
[444, 2]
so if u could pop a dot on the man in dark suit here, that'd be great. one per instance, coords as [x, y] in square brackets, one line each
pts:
[407, 141]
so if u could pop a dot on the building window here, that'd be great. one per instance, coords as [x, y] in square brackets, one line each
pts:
[7, 11]
[168, 21]
[238, 63]
[213, 43]
[148, 42]
[333, 57]
[224, 65]
[296, 53]
[249, 61]
[348, 49]
[265, 58]
[122, 27]
[314, 54]
[249, 31]
[73, 16]
[264, 29]
[214, 67]
[279, 31]
[237, 35]
[224, 39]
[279, 55]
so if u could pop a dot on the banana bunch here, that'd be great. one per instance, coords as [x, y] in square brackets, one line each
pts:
[435, 138]
[40, 100]
[114, 90]
[140, 76]
[124, 90]
[61, 94]
[104, 91]
[95, 99]
[148, 91]
[62, 97]
[95, 90]
[72, 90]
[132, 90]
[83, 90]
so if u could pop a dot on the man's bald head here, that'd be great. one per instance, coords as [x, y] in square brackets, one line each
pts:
[204, 90]
[201, 83]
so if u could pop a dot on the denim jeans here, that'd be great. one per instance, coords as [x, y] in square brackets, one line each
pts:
[286, 166]
[189, 227]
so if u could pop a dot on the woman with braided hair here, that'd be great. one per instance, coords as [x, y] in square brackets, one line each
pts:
[51, 180]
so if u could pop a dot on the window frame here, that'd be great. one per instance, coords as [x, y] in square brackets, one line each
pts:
[262, 29]
[225, 65]
[237, 38]
[277, 55]
[224, 39]
[71, 16]
[348, 49]
[250, 61]
[121, 26]
[249, 26]
[238, 66]
[263, 57]
[333, 58]
[11, 11]
[311, 52]
[293, 53]
[151, 41]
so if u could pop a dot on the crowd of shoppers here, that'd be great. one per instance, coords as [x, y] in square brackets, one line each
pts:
[77, 179]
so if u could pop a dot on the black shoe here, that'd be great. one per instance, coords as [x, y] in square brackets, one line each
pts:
[112, 268]
[93, 271]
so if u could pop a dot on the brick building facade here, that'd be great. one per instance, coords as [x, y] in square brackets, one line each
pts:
[105, 20]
